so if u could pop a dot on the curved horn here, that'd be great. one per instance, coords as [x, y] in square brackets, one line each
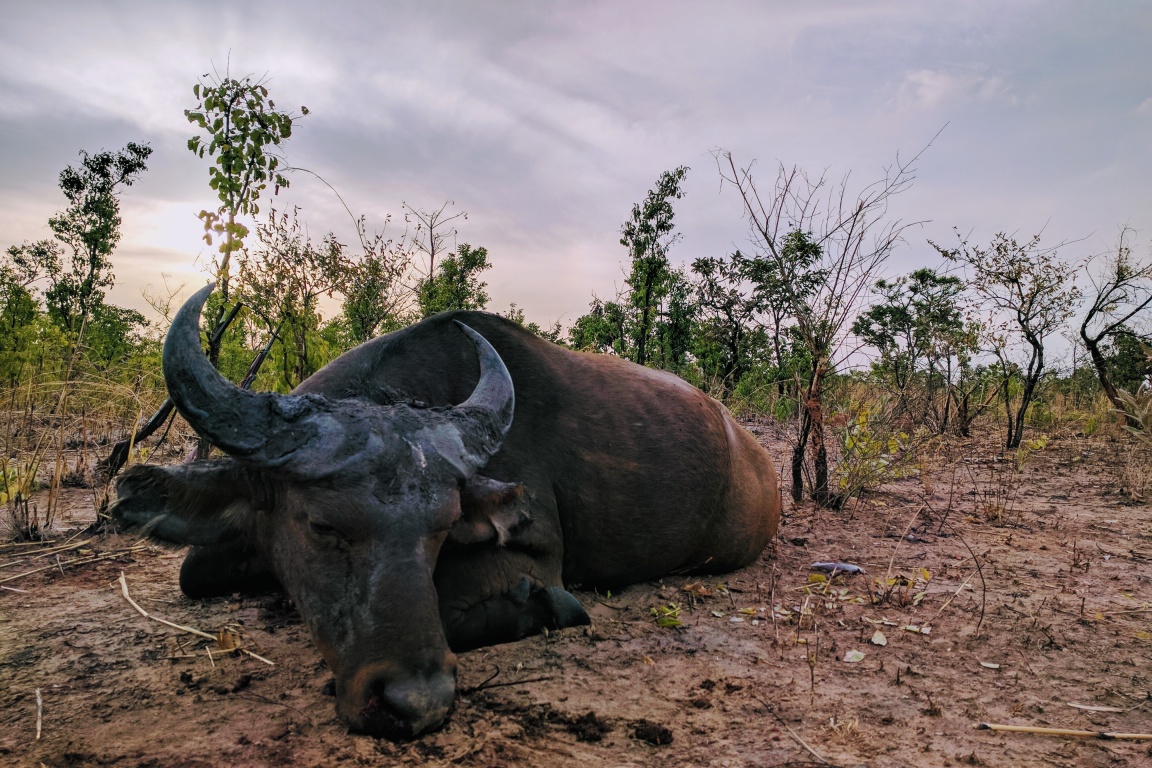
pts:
[239, 422]
[488, 410]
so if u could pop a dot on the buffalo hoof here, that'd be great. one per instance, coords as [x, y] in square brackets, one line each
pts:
[566, 609]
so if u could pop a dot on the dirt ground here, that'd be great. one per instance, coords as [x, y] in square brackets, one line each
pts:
[1053, 629]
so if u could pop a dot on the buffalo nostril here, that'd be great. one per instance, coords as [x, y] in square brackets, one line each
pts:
[408, 707]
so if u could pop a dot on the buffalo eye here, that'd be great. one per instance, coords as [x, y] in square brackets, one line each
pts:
[320, 529]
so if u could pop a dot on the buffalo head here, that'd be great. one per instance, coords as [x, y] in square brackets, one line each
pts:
[348, 501]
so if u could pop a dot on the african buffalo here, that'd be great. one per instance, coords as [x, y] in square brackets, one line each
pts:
[437, 487]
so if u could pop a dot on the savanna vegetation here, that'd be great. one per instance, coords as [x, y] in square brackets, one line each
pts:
[805, 325]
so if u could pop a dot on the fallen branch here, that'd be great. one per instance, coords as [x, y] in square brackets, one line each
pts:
[145, 614]
[514, 682]
[190, 630]
[1105, 735]
[39, 713]
[251, 696]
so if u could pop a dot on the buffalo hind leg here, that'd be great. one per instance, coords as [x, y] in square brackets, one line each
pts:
[223, 569]
[518, 613]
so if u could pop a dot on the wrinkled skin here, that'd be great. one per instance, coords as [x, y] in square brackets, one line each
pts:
[409, 513]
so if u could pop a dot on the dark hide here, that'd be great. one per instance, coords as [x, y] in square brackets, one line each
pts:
[610, 474]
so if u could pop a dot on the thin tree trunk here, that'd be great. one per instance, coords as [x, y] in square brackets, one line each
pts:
[1106, 384]
[1031, 383]
[814, 403]
[798, 452]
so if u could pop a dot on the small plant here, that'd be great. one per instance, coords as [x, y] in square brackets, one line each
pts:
[1138, 409]
[667, 615]
[871, 454]
[900, 590]
[17, 482]
[1028, 449]
[1135, 475]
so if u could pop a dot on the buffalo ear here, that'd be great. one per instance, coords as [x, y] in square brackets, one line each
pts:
[203, 503]
[491, 511]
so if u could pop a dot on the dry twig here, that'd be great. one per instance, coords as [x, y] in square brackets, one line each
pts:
[799, 740]
[1104, 735]
[181, 627]
[77, 561]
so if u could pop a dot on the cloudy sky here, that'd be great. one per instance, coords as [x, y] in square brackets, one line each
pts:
[546, 121]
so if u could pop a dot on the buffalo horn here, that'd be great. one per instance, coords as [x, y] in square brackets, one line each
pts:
[486, 416]
[237, 421]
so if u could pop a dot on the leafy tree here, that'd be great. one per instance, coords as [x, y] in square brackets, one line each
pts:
[19, 312]
[282, 283]
[915, 328]
[601, 330]
[651, 322]
[456, 283]
[553, 334]
[376, 298]
[244, 131]
[1031, 293]
[113, 334]
[90, 228]
[1123, 292]
[672, 331]
[648, 235]
[25, 264]
[727, 335]
[822, 247]
[1126, 360]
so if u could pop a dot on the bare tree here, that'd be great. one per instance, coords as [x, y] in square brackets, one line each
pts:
[434, 233]
[1123, 290]
[1031, 293]
[826, 245]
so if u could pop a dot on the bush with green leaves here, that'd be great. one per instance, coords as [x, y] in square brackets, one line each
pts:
[873, 451]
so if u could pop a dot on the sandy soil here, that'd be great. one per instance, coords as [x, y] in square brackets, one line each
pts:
[1059, 613]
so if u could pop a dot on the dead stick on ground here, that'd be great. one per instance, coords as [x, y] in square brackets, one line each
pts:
[39, 713]
[64, 548]
[903, 536]
[78, 561]
[145, 614]
[799, 740]
[951, 598]
[182, 628]
[979, 570]
[1105, 735]
[512, 682]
